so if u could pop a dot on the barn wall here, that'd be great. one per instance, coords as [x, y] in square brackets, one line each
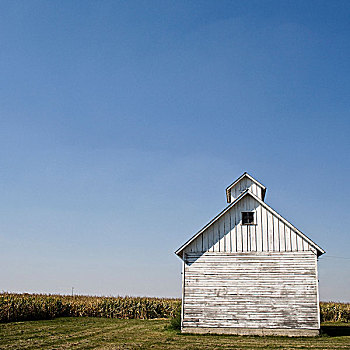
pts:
[228, 234]
[244, 184]
[275, 290]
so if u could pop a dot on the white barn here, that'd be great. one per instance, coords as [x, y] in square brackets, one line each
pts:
[250, 271]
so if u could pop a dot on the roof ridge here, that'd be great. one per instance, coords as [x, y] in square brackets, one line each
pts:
[241, 177]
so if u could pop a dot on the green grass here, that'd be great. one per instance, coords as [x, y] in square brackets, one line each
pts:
[117, 334]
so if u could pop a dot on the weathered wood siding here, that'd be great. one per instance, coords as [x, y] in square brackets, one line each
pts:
[251, 290]
[244, 184]
[269, 234]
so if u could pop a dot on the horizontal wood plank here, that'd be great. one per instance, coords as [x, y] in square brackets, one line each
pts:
[255, 289]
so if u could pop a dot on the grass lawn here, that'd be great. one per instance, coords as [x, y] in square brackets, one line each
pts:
[103, 333]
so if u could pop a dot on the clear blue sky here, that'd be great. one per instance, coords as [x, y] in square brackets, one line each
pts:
[122, 122]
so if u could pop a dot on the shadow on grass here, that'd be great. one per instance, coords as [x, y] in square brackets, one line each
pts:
[336, 331]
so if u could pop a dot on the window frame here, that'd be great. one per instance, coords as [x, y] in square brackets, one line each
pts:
[248, 212]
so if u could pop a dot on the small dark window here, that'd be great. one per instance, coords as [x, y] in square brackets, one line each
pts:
[247, 218]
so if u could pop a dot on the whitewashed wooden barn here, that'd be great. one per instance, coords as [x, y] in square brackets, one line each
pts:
[250, 271]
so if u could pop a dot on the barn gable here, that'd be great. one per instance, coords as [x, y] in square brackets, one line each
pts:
[269, 233]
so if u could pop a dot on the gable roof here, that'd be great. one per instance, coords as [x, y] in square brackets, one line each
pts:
[228, 188]
[247, 192]
[243, 194]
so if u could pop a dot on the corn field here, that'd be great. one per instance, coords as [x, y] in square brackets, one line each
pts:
[335, 312]
[22, 307]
